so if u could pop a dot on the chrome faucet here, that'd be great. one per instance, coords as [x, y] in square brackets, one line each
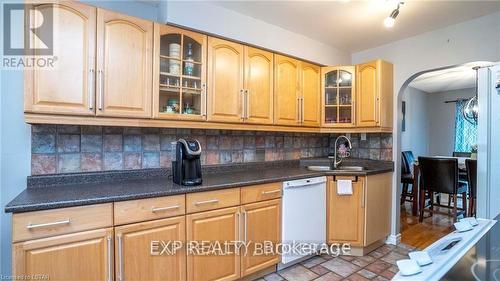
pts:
[333, 160]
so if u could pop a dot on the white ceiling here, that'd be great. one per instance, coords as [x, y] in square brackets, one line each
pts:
[357, 25]
[456, 78]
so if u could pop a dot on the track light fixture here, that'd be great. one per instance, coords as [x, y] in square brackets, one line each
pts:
[391, 19]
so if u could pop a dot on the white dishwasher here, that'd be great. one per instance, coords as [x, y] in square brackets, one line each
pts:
[303, 216]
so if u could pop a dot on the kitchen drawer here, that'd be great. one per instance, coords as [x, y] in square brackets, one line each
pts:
[149, 209]
[261, 192]
[211, 200]
[38, 224]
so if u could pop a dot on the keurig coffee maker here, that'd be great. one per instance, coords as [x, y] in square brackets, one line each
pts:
[186, 168]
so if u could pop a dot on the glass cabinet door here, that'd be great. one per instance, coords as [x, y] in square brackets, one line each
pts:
[338, 96]
[181, 91]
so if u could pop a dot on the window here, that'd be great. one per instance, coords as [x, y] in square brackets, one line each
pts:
[465, 132]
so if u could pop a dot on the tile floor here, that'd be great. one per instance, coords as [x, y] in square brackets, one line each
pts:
[378, 265]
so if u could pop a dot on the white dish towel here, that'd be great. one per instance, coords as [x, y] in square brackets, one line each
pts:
[344, 187]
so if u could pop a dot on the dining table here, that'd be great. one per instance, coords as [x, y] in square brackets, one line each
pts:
[416, 180]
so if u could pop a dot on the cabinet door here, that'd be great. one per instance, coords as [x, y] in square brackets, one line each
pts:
[310, 89]
[134, 258]
[259, 75]
[68, 87]
[124, 60]
[367, 94]
[225, 81]
[261, 222]
[79, 256]
[213, 226]
[179, 72]
[286, 91]
[345, 213]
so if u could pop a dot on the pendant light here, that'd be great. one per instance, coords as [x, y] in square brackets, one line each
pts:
[471, 108]
[391, 19]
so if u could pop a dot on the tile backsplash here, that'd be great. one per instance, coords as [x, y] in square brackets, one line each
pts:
[70, 149]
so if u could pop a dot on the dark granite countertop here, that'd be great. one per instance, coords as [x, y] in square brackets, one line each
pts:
[49, 192]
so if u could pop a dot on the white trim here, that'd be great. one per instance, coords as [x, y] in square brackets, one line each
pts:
[393, 239]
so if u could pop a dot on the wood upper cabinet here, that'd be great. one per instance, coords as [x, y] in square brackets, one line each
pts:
[310, 94]
[286, 91]
[79, 256]
[261, 222]
[67, 88]
[133, 250]
[124, 65]
[374, 89]
[338, 97]
[218, 225]
[225, 81]
[180, 59]
[259, 65]
[346, 213]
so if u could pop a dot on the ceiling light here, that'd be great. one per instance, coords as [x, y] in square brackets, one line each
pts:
[471, 108]
[391, 19]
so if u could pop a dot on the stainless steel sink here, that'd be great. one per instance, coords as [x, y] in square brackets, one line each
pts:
[319, 168]
[340, 168]
[351, 168]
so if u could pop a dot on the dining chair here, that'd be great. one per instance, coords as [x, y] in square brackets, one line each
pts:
[440, 175]
[472, 182]
[406, 176]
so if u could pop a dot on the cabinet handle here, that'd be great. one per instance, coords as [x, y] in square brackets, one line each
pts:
[362, 195]
[242, 94]
[206, 202]
[110, 260]
[247, 104]
[204, 100]
[33, 226]
[302, 111]
[99, 72]
[120, 257]
[238, 225]
[245, 228]
[271, 191]
[91, 89]
[298, 110]
[159, 209]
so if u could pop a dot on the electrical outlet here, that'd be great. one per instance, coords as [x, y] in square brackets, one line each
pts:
[363, 136]
[348, 135]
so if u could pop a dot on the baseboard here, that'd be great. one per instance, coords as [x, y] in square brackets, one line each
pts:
[393, 239]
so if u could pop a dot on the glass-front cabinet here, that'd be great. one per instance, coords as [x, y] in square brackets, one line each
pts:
[338, 94]
[181, 73]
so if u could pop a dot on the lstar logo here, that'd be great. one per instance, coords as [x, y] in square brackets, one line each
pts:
[28, 30]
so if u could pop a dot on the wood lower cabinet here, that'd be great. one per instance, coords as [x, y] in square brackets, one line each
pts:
[124, 65]
[259, 65]
[213, 226]
[67, 88]
[133, 250]
[261, 222]
[82, 256]
[346, 213]
[374, 96]
[310, 95]
[225, 81]
[362, 218]
[286, 91]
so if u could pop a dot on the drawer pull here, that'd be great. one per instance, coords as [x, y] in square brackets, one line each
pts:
[33, 226]
[110, 260]
[207, 202]
[271, 191]
[159, 209]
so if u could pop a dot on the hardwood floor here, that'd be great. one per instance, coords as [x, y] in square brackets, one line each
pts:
[421, 235]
